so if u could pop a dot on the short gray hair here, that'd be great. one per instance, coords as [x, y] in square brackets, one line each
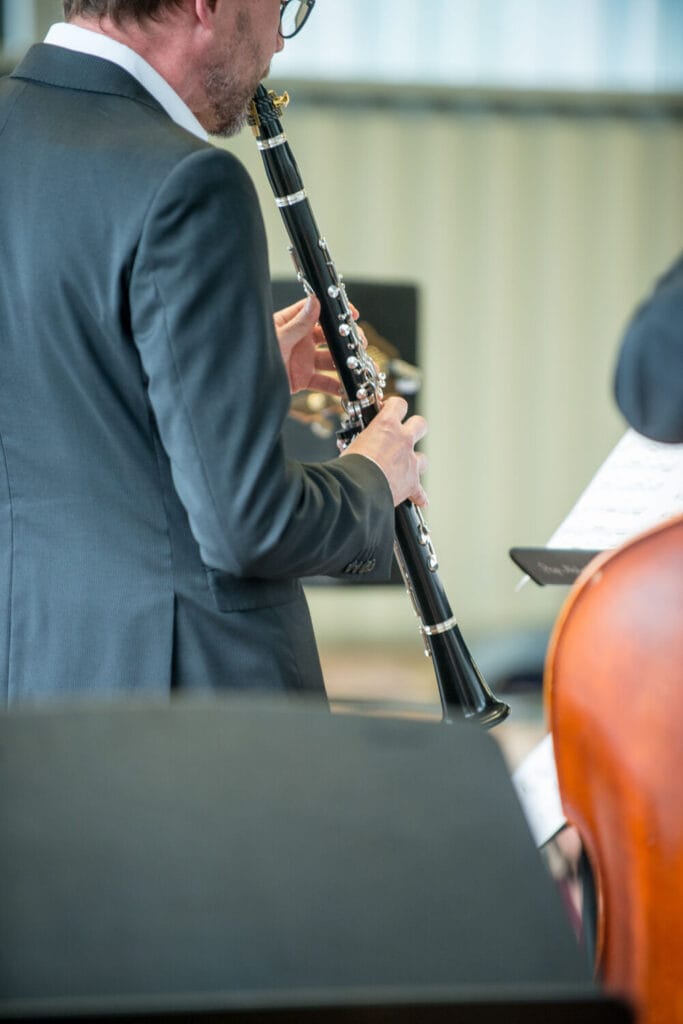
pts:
[118, 10]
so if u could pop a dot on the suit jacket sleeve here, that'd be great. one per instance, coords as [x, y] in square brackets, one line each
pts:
[201, 313]
[649, 375]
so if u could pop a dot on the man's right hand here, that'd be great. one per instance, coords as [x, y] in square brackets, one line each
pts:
[390, 444]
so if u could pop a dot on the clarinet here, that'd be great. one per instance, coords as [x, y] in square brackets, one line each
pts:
[462, 689]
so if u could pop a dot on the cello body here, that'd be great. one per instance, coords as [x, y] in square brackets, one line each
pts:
[614, 702]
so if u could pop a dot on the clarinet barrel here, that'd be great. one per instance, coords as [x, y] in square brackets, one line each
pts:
[462, 689]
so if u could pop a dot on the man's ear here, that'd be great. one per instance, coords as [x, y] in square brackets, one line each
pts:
[205, 11]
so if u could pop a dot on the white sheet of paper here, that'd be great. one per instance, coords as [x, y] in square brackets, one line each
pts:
[539, 794]
[639, 485]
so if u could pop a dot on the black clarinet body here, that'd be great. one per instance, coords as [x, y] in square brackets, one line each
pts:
[462, 689]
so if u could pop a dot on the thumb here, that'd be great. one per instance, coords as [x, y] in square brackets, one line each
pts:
[310, 311]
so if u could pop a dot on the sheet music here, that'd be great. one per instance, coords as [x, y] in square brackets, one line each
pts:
[639, 485]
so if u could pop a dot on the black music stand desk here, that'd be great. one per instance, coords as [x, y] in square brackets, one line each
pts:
[225, 861]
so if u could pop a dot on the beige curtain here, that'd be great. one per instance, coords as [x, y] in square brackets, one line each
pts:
[532, 235]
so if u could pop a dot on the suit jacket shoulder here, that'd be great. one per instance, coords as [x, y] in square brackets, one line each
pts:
[649, 373]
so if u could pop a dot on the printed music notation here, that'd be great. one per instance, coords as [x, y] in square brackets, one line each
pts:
[639, 485]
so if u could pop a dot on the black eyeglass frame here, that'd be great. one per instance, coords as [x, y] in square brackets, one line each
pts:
[309, 4]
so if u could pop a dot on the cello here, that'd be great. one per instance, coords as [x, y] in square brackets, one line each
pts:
[614, 702]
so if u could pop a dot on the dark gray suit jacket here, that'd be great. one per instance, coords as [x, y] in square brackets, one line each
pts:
[152, 531]
[649, 376]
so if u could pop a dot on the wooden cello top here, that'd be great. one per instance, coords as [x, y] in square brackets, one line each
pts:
[614, 700]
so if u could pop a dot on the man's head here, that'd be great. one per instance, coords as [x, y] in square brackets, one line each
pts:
[212, 52]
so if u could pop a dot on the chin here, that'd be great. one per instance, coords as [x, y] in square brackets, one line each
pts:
[226, 127]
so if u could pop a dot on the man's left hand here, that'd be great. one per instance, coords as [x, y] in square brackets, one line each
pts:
[303, 348]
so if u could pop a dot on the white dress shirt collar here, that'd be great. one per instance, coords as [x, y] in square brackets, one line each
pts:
[83, 40]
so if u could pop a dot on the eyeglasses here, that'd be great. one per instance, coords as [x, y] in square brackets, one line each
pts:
[293, 16]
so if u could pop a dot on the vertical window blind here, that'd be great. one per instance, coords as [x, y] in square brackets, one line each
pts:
[586, 44]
